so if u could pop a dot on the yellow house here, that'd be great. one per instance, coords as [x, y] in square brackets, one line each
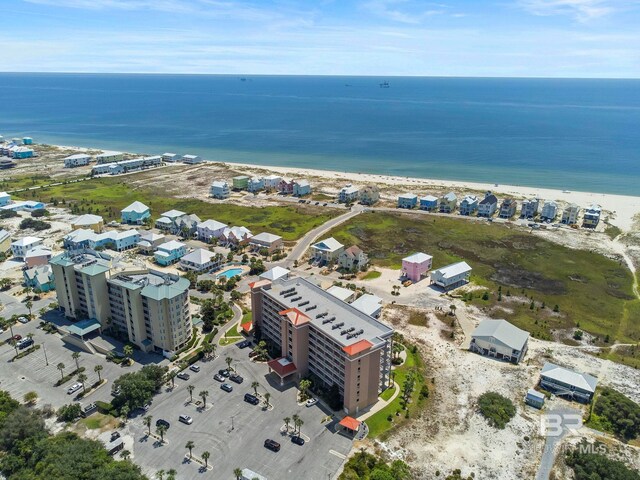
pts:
[94, 222]
[5, 241]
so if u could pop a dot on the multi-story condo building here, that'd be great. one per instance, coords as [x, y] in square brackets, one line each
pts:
[488, 205]
[320, 336]
[151, 307]
[570, 214]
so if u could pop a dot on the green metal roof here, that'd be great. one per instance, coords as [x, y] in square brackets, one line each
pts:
[161, 292]
[84, 327]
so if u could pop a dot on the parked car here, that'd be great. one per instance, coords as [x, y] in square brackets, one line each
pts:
[23, 320]
[226, 387]
[297, 440]
[224, 372]
[74, 388]
[15, 338]
[311, 402]
[183, 376]
[88, 409]
[115, 436]
[252, 399]
[146, 407]
[161, 421]
[218, 377]
[27, 342]
[272, 445]
[186, 419]
[194, 368]
[236, 378]
[115, 391]
[244, 344]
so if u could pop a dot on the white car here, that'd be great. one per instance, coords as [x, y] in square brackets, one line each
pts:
[74, 388]
[186, 419]
[311, 402]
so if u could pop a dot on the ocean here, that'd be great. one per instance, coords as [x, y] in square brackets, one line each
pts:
[556, 133]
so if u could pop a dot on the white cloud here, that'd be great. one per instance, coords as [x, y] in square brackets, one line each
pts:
[580, 10]
[403, 11]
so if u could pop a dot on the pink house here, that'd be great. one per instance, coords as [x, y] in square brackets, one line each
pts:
[286, 186]
[416, 266]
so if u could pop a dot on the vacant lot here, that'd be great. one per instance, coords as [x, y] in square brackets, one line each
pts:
[592, 292]
[107, 196]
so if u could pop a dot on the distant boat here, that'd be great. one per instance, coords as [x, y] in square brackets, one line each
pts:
[243, 79]
[384, 85]
[347, 85]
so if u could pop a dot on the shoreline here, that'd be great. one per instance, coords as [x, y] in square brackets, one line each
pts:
[623, 208]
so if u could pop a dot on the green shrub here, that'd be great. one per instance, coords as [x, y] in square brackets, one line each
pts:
[618, 413]
[590, 466]
[498, 410]
[68, 413]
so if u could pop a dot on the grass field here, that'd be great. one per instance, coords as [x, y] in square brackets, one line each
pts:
[593, 293]
[372, 275]
[27, 181]
[107, 196]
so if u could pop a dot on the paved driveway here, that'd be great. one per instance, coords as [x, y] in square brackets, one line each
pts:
[234, 431]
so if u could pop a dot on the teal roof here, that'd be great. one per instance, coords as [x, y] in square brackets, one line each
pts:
[84, 326]
[62, 259]
[94, 269]
[166, 291]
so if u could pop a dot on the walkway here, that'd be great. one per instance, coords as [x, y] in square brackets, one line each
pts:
[381, 404]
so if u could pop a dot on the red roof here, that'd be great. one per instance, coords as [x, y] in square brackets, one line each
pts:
[259, 283]
[350, 423]
[282, 366]
[295, 316]
[247, 326]
[357, 347]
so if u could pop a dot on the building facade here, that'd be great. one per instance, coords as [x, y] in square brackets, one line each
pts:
[549, 210]
[135, 214]
[469, 205]
[220, 190]
[448, 203]
[348, 194]
[407, 200]
[570, 214]
[508, 208]
[488, 205]
[429, 203]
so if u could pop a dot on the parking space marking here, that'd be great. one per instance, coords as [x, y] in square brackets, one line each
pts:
[338, 454]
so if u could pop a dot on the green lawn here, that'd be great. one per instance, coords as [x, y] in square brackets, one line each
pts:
[27, 181]
[107, 196]
[378, 423]
[591, 291]
[230, 336]
[372, 275]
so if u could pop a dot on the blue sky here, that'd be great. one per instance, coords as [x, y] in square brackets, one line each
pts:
[544, 38]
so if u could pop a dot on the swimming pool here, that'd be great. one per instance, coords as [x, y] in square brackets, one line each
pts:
[232, 272]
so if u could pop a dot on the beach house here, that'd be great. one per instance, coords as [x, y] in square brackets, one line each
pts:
[39, 278]
[416, 266]
[149, 241]
[591, 216]
[255, 184]
[271, 182]
[112, 239]
[191, 159]
[88, 220]
[327, 250]
[275, 273]
[210, 229]
[499, 339]
[369, 195]
[530, 208]
[171, 157]
[368, 304]
[135, 214]
[168, 221]
[451, 276]
[27, 141]
[352, 258]
[285, 187]
[345, 294]
[348, 194]
[23, 245]
[5, 199]
[549, 211]
[267, 241]
[488, 205]
[201, 260]
[568, 383]
[77, 160]
[407, 200]
[235, 236]
[22, 152]
[5, 241]
[429, 203]
[508, 208]
[570, 214]
[169, 252]
[469, 205]
[240, 182]
[447, 203]
[24, 206]
[109, 157]
[220, 189]
[37, 256]
[187, 225]
[301, 188]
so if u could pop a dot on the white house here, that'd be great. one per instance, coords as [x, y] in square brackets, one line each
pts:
[171, 157]
[570, 214]
[109, 157]
[451, 276]
[191, 159]
[275, 273]
[301, 188]
[368, 304]
[255, 184]
[22, 246]
[327, 250]
[499, 339]
[236, 235]
[149, 241]
[591, 216]
[352, 258]
[568, 383]
[210, 229]
[77, 160]
[220, 189]
[348, 194]
[271, 182]
[266, 240]
[201, 260]
[488, 205]
[344, 294]
[169, 221]
[369, 195]
[549, 210]
[530, 208]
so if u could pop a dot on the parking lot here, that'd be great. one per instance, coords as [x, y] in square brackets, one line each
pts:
[234, 431]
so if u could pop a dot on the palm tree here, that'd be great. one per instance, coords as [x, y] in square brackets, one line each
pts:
[287, 421]
[452, 307]
[172, 377]
[124, 413]
[255, 386]
[204, 394]
[125, 454]
[299, 423]
[98, 369]
[296, 418]
[171, 474]
[76, 356]
[82, 378]
[267, 396]
[305, 385]
[229, 361]
[147, 423]
[29, 305]
[61, 367]
[160, 430]
[205, 457]
[160, 474]
[209, 350]
[238, 473]
[189, 446]
[128, 352]
[191, 388]
[30, 336]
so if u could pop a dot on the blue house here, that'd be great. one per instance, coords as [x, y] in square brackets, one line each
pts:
[135, 214]
[39, 278]
[22, 152]
[170, 252]
[429, 203]
[5, 199]
[407, 200]
[27, 141]
[469, 205]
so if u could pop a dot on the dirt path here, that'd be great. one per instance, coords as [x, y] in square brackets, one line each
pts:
[621, 249]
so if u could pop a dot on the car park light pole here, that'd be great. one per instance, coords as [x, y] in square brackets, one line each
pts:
[45, 354]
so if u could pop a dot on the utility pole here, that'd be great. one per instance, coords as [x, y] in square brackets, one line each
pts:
[45, 354]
